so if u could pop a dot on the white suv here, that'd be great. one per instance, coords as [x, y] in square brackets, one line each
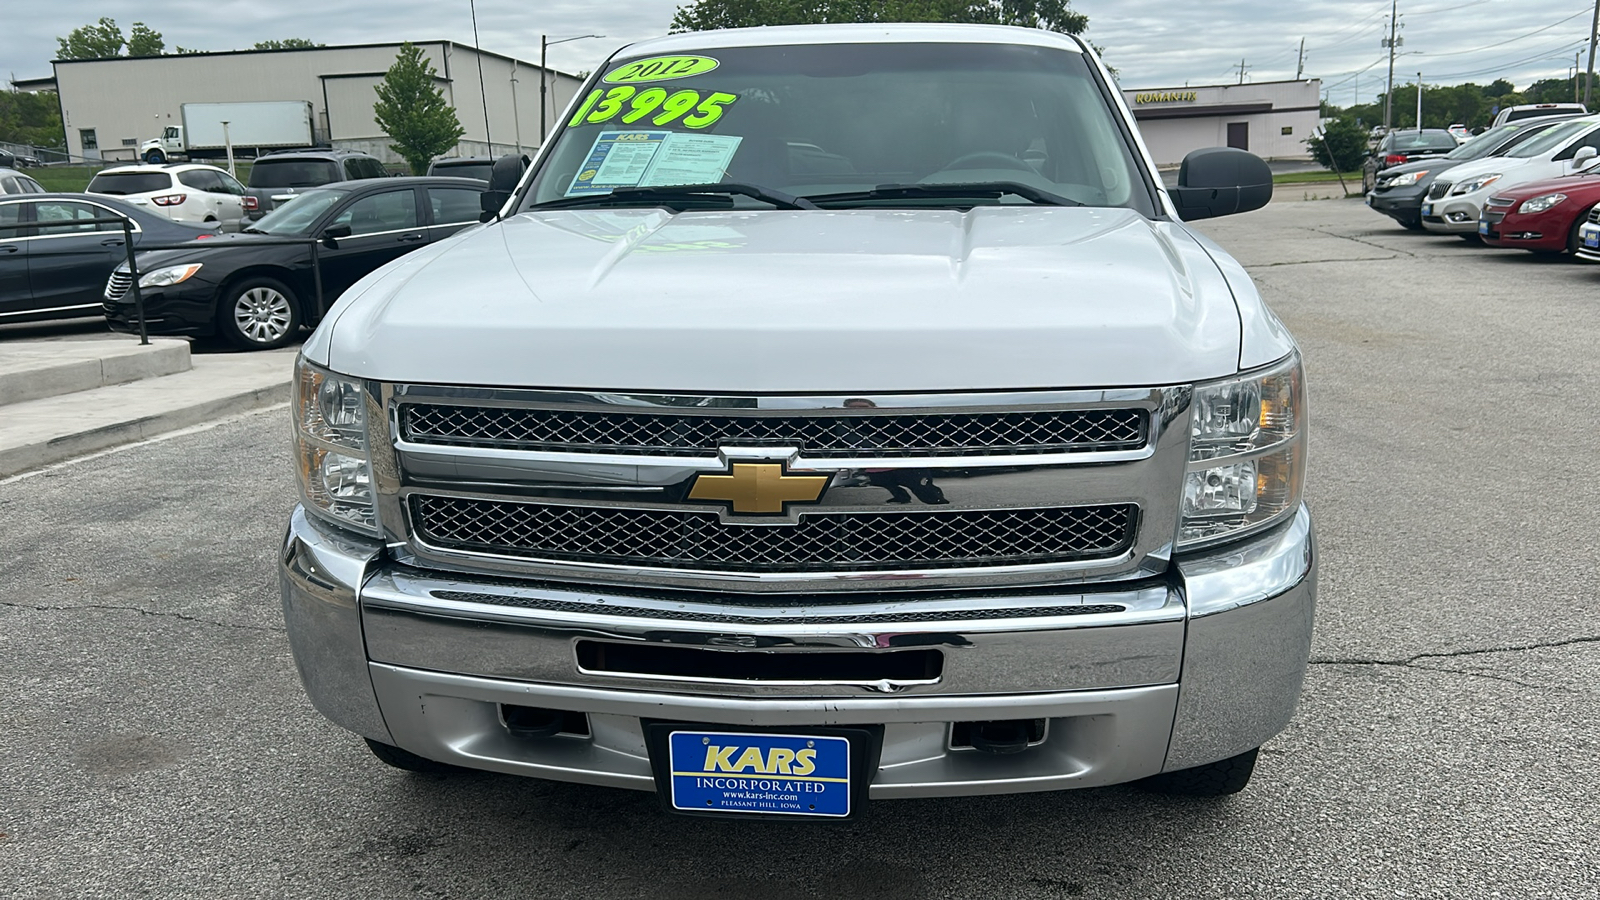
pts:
[1453, 203]
[197, 194]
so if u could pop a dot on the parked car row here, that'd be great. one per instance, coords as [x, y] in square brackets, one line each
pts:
[1530, 184]
[256, 287]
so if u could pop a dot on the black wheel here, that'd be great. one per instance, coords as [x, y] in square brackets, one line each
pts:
[1368, 182]
[1573, 241]
[155, 157]
[1218, 779]
[258, 314]
[405, 759]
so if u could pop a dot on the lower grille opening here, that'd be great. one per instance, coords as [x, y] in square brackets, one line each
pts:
[647, 660]
[534, 721]
[1000, 736]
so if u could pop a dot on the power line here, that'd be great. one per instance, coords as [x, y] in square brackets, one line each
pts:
[1558, 51]
[1510, 41]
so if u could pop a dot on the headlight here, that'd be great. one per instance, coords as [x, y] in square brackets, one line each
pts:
[1405, 179]
[1540, 203]
[169, 276]
[1247, 454]
[330, 453]
[1476, 184]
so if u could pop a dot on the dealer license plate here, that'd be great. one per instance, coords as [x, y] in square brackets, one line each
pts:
[1592, 240]
[1483, 227]
[1427, 209]
[759, 774]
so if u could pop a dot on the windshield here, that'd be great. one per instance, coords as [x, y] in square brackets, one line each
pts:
[476, 170]
[295, 216]
[810, 120]
[123, 183]
[1549, 139]
[293, 173]
[1422, 140]
[1484, 144]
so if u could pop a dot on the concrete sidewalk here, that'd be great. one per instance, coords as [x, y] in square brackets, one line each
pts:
[61, 399]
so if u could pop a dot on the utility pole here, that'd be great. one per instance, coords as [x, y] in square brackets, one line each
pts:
[1392, 42]
[1594, 28]
[1300, 67]
[1243, 68]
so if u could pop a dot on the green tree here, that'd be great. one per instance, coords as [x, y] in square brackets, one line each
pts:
[32, 119]
[704, 15]
[1553, 90]
[101, 40]
[1341, 145]
[412, 110]
[144, 41]
[287, 44]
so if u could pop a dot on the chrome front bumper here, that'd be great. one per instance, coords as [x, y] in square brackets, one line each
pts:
[1195, 667]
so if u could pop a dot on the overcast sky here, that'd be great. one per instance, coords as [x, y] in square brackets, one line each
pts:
[1153, 43]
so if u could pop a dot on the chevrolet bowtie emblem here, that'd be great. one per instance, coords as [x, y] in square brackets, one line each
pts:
[759, 488]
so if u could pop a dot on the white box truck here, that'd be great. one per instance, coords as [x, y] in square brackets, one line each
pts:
[253, 128]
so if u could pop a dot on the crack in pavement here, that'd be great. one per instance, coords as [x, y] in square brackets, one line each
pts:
[141, 611]
[1346, 237]
[1415, 662]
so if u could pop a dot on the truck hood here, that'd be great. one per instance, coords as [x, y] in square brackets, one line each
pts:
[773, 301]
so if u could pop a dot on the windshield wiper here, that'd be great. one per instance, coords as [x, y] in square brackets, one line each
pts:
[664, 196]
[251, 230]
[977, 190]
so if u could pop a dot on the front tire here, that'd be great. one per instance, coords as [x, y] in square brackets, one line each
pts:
[1218, 779]
[258, 314]
[155, 157]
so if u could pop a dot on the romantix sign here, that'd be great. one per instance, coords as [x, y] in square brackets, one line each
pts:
[1165, 97]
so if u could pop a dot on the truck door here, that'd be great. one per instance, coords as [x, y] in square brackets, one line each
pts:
[15, 297]
[383, 226]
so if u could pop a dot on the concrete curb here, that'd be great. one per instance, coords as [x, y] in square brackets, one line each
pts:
[53, 429]
[52, 368]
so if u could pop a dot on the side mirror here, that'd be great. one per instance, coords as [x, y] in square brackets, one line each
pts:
[503, 178]
[1583, 157]
[1221, 181]
[332, 233]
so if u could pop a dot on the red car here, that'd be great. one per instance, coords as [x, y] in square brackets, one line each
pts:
[1543, 216]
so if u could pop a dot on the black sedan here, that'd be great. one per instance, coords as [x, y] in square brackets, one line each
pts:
[257, 288]
[53, 264]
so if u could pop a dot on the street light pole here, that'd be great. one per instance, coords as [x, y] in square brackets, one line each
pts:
[544, 48]
[1594, 27]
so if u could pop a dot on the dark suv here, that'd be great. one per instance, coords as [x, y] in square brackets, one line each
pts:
[277, 177]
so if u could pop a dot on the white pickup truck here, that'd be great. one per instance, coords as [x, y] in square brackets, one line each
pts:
[829, 414]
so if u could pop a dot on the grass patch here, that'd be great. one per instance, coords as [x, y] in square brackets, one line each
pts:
[73, 179]
[1313, 177]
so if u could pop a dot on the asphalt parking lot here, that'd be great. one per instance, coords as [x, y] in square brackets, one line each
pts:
[158, 744]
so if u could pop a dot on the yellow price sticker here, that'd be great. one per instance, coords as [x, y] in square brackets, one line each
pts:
[662, 107]
[661, 68]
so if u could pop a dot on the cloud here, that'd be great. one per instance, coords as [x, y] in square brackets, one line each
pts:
[1153, 43]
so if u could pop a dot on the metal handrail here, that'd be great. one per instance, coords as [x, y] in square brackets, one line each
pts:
[133, 267]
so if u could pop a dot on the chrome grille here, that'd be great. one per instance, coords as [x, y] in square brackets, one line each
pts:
[819, 436]
[821, 542]
[1594, 215]
[119, 285]
[1439, 189]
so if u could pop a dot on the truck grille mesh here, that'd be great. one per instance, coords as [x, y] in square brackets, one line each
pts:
[831, 436]
[821, 542]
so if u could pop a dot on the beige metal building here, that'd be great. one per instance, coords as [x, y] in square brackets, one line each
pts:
[110, 106]
[1271, 119]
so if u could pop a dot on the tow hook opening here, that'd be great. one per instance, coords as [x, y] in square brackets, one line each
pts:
[998, 736]
[537, 722]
